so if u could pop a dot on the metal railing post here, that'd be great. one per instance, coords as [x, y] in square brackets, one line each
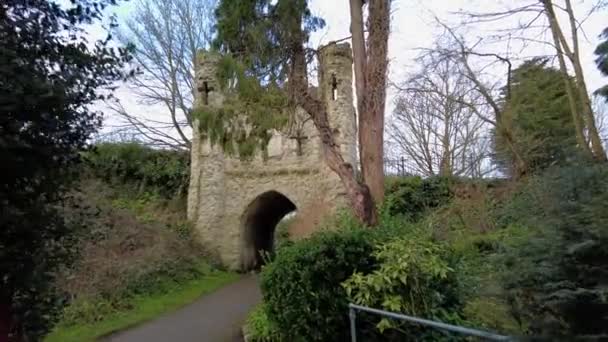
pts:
[352, 314]
[425, 322]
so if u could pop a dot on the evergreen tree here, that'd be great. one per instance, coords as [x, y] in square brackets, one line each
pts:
[602, 61]
[537, 114]
[49, 77]
[265, 71]
[258, 40]
[557, 276]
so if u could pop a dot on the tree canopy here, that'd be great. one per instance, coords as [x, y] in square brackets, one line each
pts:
[537, 113]
[256, 41]
[261, 34]
[49, 77]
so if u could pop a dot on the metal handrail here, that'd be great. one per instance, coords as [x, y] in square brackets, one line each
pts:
[352, 308]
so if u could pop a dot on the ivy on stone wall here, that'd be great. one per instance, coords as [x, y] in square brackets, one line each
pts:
[250, 110]
[258, 39]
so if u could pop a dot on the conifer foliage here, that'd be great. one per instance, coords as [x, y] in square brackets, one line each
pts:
[49, 76]
[602, 61]
[536, 112]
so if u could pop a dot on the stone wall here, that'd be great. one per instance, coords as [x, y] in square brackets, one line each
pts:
[222, 187]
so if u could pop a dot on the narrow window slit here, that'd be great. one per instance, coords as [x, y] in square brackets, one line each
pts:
[334, 87]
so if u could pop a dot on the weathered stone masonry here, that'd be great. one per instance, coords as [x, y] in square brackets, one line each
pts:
[236, 204]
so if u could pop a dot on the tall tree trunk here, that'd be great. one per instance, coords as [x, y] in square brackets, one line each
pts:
[561, 45]
[371, 64]
[359, 55]
[576, 118]
[594, 135]
[358, 193]
[596, 141]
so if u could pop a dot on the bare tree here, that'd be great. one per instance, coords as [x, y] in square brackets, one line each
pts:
[490, 91]
[434, 126]
[565, 40]
[167, 35]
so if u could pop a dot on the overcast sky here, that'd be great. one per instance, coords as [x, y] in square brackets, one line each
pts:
[413, 27]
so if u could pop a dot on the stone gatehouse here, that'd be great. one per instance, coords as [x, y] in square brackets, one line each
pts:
[235, 205]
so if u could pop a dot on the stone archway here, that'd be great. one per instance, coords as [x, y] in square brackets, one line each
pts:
[235, 203]
[258, 224]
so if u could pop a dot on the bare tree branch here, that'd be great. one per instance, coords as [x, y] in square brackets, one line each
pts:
[167, 35]
[435, 125]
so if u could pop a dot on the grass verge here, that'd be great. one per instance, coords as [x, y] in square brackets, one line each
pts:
[144, 308]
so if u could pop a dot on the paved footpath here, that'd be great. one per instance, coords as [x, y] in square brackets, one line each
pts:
[215, 317]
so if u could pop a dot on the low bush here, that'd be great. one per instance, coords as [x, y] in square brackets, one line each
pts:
[261, 329]
[414, 276]
[164, 277]
[480, 270]
[130, 245]
[90, 319]
[491, 313]
[471, 225]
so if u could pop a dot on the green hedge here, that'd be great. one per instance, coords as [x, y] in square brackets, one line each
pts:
[413, 197]
[163, 171]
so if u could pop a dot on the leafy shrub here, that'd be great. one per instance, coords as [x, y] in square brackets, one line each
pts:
[413, 276]
[260, 328]
[412, 197]
[146, 169]
[557, 279]
[301, 287]
[150, 208]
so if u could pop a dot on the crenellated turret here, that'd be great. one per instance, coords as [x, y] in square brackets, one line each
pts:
[336, 85]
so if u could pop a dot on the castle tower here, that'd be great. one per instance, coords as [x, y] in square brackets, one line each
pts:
[236, 204]
[207, 172]
[336, 84]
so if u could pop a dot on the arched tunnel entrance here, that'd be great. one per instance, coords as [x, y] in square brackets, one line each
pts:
[258, 226]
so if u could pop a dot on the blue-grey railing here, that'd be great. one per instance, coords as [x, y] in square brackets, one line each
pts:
[353, 308]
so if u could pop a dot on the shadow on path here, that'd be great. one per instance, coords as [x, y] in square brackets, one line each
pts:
[215, 317]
